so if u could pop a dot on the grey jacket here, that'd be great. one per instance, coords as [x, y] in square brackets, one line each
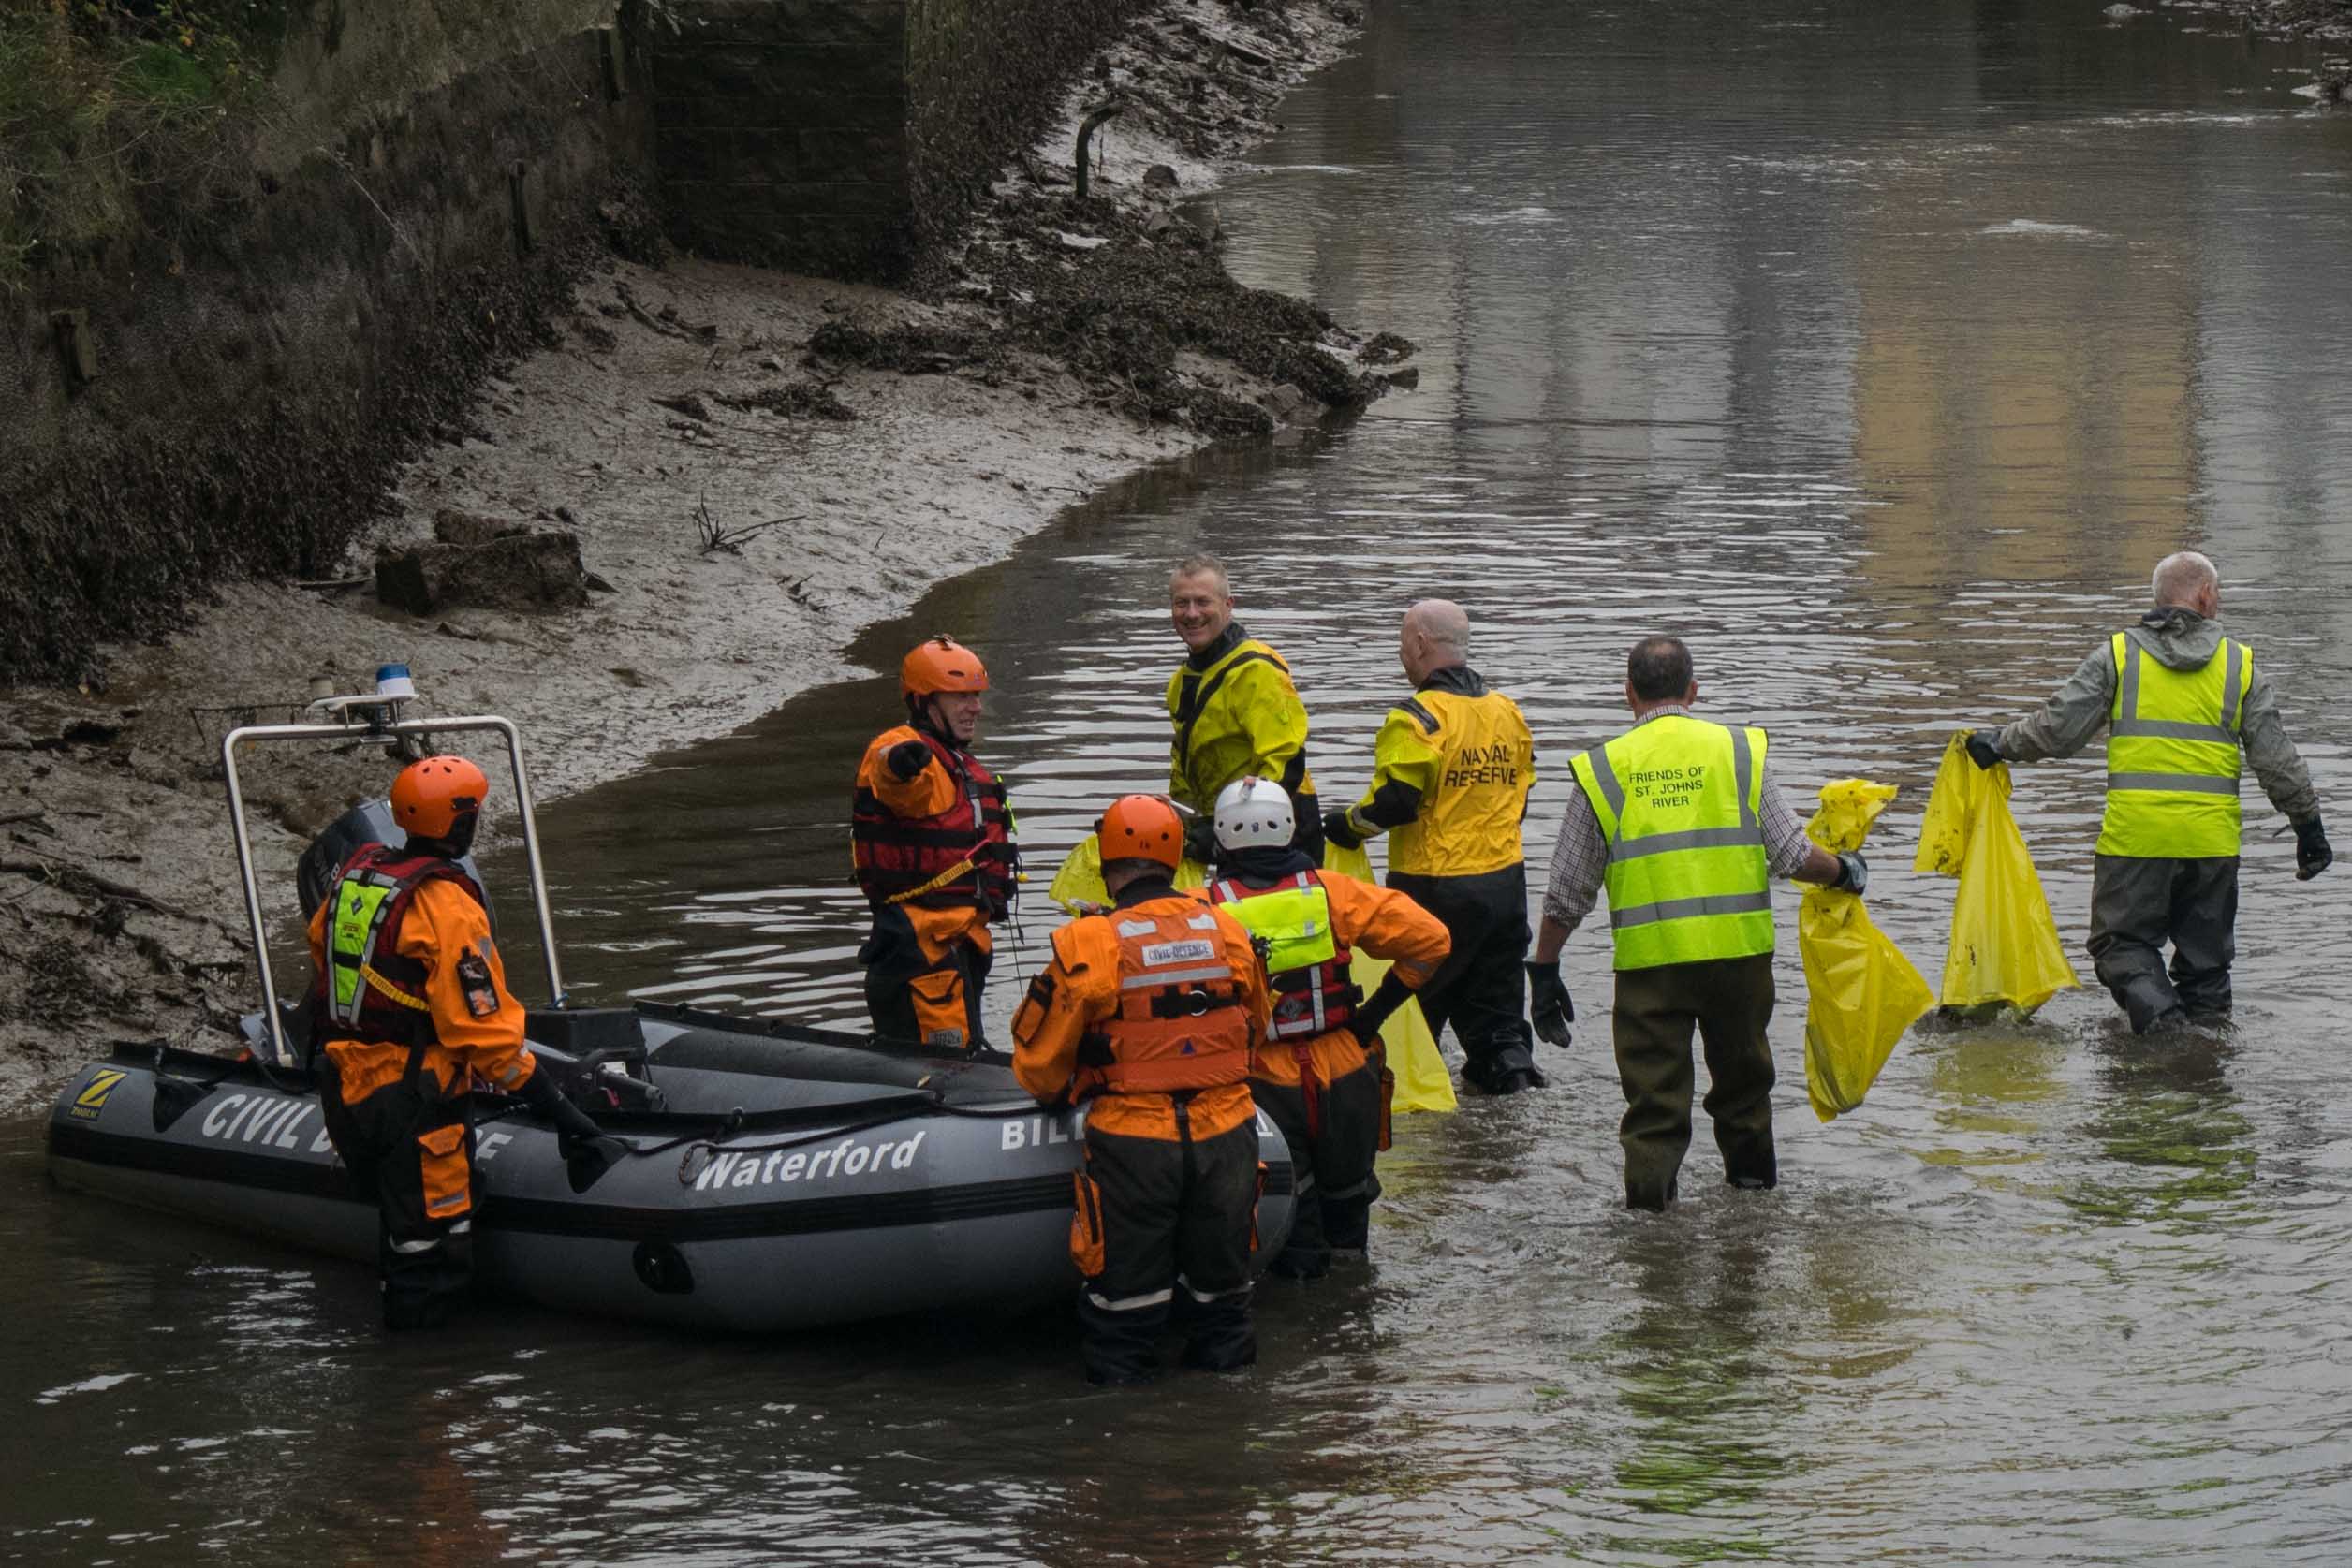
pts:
[2181, 639]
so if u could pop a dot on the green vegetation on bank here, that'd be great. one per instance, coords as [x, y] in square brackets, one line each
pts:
[102, 102]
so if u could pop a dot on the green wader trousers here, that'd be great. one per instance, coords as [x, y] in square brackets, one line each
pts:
[1730, 1002]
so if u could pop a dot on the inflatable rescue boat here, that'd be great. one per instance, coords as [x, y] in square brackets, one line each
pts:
[776, 1176]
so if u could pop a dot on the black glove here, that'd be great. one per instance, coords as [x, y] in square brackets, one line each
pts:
[1341, 831]
[1201, 838]
[1853, 872]
[1378, 1008]
[2312, 854]
[1549, 1004]
[576, 1131]
[1982, 752]
[906, 759]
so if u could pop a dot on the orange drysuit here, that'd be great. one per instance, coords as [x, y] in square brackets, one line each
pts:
[1149, 1016]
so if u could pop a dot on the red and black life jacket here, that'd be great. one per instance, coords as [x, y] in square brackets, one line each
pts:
[367, 988]
[1181, 1022]
[964, 855]
[1309, 999]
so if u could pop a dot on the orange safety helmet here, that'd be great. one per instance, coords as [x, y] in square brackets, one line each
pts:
[940, 664]
[1142, 827]
[430, 797]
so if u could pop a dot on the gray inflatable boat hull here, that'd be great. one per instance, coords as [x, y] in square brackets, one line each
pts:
[853, 1185]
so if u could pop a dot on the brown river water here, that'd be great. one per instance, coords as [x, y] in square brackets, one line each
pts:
[1879, 349]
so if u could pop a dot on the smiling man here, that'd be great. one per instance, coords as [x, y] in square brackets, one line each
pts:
[932, 838]
[1234, 710]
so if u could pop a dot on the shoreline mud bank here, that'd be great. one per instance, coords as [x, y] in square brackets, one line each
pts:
[756, 466]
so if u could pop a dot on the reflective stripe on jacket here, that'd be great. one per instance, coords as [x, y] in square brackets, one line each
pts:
[1237, 714]
[942, 839]
[369, 989]
[2174, 758]
[1679, 800]
[1468, 762]
[434, 948]
[1183, 1021]
[1152, 1012]
[1306, 964]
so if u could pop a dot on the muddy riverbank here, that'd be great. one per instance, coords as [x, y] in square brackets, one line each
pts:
[756, 466]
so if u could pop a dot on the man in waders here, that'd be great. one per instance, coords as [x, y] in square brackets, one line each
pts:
[1678, 818]
[410, 1005]
[2185, 711]
[931, 835]
[1233, 708]
[1150, 1016]
[1322, 1077]
[1452, 771]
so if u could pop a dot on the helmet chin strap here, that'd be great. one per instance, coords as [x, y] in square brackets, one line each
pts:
[452, 845]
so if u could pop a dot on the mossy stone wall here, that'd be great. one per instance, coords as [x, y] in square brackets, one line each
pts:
[265, 356]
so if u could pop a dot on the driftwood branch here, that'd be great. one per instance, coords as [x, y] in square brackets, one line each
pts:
[731, 541]
[74, 879]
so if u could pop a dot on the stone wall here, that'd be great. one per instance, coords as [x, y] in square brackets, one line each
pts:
[227, 388]
[854, 137]
[782, 133]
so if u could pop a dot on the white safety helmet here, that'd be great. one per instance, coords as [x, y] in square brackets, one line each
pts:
[1251, 811]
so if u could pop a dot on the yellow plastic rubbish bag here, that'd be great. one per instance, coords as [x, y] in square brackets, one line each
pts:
[1079, 884]
[1423, 1082]
[1860, 992]
[2005, 943]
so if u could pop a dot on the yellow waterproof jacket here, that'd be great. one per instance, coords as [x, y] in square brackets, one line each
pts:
[1450, 774]
[1235, 712]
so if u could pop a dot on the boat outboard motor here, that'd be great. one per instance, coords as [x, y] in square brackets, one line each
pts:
[369, 822]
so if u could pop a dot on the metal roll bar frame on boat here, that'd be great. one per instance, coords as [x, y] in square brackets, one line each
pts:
[377, 727]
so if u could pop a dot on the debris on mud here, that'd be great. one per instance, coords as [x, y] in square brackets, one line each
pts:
[909, 348]
[1120, 315]
[794, 399]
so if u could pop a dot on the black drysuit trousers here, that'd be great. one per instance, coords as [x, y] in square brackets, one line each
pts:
[1481, 987]
[2137, 906]
[407, 1146]
[1333, 1153]
[1169, 1218]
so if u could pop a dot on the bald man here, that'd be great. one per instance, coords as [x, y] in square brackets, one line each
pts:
[2186, 711]
[1450, 774]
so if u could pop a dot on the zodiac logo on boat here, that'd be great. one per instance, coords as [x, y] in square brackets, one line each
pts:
[94, 1094]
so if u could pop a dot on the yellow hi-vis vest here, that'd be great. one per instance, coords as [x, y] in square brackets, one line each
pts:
[2172, 754]
[1680, 801]
[1474, 762]
[1291, 927]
